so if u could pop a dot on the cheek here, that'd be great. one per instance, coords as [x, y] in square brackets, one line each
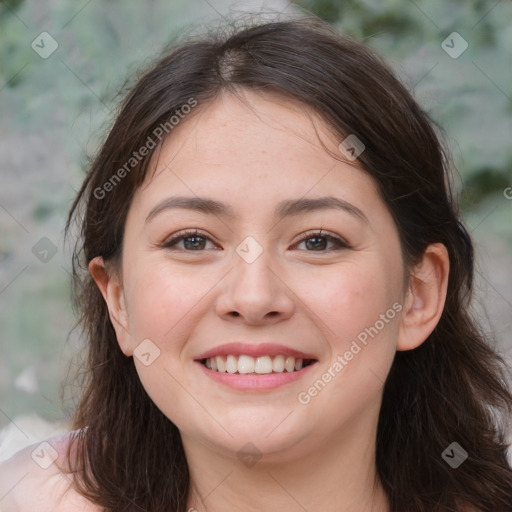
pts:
[161, 298]
[164, 306]
[360, 344]
[350, 299]
[360, 309]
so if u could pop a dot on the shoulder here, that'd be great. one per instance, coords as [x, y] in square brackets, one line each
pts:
[33, 480]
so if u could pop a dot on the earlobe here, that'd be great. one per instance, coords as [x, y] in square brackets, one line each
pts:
[111, 288]
[425, 298]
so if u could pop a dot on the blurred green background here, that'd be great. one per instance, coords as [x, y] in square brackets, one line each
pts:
[55, 111]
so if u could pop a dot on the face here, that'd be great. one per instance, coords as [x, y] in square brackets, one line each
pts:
[266, 275]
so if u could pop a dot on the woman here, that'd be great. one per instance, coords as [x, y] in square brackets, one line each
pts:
[275, 297]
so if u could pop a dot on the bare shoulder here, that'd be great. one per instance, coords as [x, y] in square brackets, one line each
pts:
[33, 480]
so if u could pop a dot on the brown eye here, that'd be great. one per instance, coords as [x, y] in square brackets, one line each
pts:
[194, 241]
[317, 242]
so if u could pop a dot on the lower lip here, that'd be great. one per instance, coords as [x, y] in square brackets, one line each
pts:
[254, 382]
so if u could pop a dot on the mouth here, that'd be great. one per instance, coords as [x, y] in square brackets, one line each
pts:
[244, 364]
[249, 367]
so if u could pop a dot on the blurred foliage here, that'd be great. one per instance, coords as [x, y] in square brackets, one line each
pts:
[470, 97]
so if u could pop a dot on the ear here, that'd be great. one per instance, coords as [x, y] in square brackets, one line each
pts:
[111, 288]
[425, 297]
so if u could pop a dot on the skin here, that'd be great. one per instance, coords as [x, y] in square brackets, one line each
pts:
[319, 456]
[314, 456]
[26, 485]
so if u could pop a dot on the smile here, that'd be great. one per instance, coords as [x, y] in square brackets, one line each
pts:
[262, 365]
[245, 366]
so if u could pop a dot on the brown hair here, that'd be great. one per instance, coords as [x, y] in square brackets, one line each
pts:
[451, 388]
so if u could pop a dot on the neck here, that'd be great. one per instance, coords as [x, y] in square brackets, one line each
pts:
[340, 477]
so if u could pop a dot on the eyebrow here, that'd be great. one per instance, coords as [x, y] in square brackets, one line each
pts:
[287, 208]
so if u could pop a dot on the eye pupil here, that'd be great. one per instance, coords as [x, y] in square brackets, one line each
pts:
[322, 240]
[197, 240]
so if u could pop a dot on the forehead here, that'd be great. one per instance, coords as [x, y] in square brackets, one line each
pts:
[260, 140]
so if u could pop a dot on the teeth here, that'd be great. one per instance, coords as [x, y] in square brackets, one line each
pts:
[244, 364]
[231, 364]
[263, 365]
[278, 364]
[221, 363]
[289, 364]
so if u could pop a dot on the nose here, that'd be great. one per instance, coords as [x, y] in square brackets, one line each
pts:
[255, 291]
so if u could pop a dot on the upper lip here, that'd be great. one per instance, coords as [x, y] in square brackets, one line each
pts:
[262, 349]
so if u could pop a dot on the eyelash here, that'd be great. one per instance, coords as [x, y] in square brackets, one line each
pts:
[182, 235]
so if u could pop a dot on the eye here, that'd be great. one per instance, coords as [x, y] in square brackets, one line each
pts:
[321, 240]
[194, 241]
